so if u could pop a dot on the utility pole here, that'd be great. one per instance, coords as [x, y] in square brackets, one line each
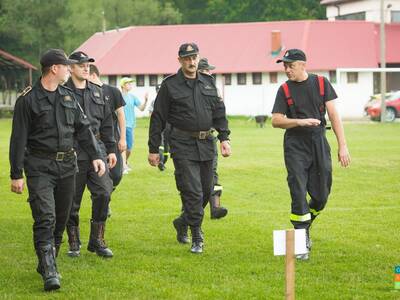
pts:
[383, 62]
[104, 22]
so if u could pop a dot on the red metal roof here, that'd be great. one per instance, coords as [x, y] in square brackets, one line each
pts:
[241, 47]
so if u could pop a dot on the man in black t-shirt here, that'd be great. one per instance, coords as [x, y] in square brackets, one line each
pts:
[116, 102]
[300, 107]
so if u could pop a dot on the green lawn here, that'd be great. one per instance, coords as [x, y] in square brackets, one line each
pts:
[356, 239]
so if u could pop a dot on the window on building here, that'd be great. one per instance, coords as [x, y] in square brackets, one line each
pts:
[273, 77]
[139, 80]
[153, 80]
[332, 76]
[352, 77]
[227, 79]
[112, 80]
[354, 16]
[241, 78]
[257, 78]
[395, 16]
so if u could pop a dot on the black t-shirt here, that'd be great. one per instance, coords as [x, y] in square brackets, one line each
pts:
[79, 93]
[113, 97]
[306, 97]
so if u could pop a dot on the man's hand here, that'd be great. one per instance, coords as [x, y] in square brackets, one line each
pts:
[154, 159]
[17, 185]
[112, 160]
[344, 156]
[309, 122]
[99, 167]
[122, 145]
[225, 148]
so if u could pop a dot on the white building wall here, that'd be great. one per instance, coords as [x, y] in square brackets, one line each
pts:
[370, 7]
[252, 100]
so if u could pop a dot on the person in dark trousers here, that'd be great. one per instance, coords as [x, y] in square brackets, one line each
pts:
[189, 102]
[216, 210]
[90, 97]
[163, 150]
[115, 101]
[46, 122]
[300, 107]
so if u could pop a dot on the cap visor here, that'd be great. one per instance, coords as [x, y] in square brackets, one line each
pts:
[211, 67]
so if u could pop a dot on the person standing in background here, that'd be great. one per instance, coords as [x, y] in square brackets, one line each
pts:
[130, 118]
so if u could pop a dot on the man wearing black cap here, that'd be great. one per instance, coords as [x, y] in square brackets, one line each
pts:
[90, 97]
[216, 210]
[46, 121]
[300, 107]
[189, 101]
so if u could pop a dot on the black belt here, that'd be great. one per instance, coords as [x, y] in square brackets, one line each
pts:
[201, 135]
[57, 156]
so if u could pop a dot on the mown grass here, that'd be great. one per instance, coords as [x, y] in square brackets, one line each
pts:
[356, 239]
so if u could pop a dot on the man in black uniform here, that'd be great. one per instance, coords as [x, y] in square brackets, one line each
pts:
[46, 121]
[189, 101]
[90, 97]
[216, 210]
[300, 107]
[115, 101]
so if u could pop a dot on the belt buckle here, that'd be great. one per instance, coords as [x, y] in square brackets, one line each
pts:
[60, 156]
[202, 135]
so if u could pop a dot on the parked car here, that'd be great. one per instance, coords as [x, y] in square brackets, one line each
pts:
[373, 107]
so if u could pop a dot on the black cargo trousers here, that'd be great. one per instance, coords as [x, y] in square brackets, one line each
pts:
[51, 187]
[100, 189]
[309, 167]
[194, 181]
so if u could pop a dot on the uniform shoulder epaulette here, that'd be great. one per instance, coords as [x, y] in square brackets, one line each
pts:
[169, 76]
[98, 85]
[26, 91]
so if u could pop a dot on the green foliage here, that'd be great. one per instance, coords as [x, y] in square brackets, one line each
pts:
[226, 11]
[28, 27]
[355, 239]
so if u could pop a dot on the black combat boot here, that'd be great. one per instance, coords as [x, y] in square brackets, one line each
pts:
[181, 230]
[39, 267]
[216, 210]
[73, 241]
[96, 242]
[197, 239]
[47, 267]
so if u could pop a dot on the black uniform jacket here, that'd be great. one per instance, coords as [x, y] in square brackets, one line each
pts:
[48, 124]
[99, 115]
[190, 105]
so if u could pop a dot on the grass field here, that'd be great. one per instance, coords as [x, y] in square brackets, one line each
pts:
[356, 239]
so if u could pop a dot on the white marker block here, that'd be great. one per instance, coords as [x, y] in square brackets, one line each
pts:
[299, 242]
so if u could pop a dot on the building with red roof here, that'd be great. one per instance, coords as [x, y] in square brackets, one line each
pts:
[245, 53]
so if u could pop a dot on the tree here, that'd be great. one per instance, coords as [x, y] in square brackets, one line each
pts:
[27, 28]
[84, 18]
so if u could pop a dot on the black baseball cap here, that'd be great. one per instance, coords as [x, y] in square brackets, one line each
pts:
[188, 49]
[204, 65]
[81, 57]
[55, 57]
[292, 55]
